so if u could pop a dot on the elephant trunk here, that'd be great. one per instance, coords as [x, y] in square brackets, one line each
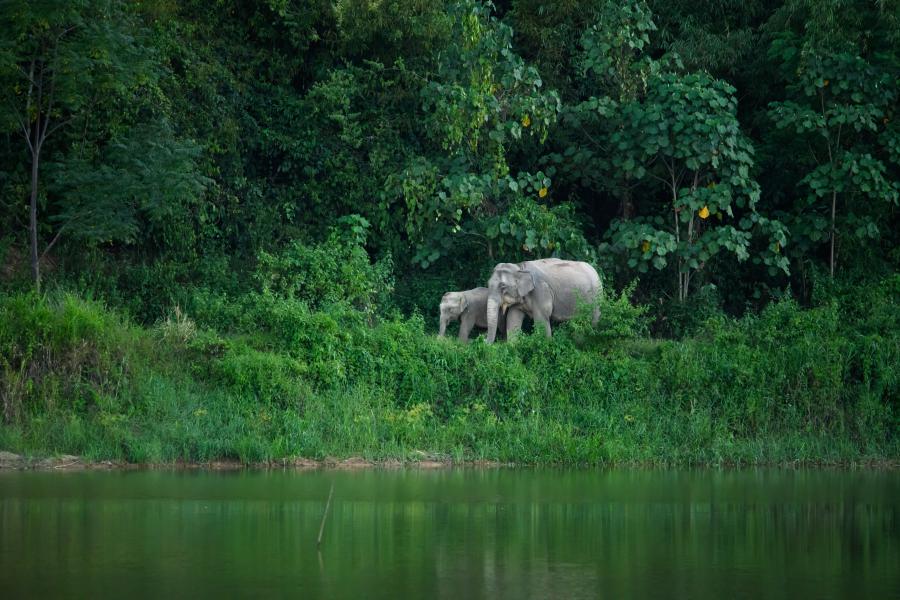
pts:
[493, 310]
[443, 328]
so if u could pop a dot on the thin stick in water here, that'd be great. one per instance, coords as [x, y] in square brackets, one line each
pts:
[324, 516]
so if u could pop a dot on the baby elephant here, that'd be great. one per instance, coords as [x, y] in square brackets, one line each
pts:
[470, 307]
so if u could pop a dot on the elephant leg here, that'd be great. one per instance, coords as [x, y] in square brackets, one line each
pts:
[596, 316]
[547, 329]
[465, 327]
[541, 311]
[514, 318]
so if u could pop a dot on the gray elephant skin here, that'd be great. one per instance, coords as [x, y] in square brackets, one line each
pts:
[469, 307]
[546, 290]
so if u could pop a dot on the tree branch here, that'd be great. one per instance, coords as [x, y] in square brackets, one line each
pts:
[27, 124]
[825, 119]
[37, 120]
[54, 240]
[22, 125]
[28, 76]
[665, 182]
[49, 112]
[56, 127]
[592, 140]
[813, 153]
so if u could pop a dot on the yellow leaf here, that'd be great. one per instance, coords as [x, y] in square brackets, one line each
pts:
[645, 246]
[526, 121]
[542, 192]
[704, 212]
[826, 83]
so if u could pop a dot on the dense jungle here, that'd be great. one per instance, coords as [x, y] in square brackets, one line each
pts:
[226, 228]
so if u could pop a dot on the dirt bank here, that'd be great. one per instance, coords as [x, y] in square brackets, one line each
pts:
[68, 462]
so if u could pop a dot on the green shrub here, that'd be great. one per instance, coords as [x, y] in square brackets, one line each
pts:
[680, 318]
[337, 270]
[261, 376]
[59, 354]
[264, 377]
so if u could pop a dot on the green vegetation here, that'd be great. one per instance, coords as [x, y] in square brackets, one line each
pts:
[225, 233]
[789, 384]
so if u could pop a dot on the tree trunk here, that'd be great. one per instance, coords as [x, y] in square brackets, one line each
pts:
[833, 210]
[32, 225]
[626, 205]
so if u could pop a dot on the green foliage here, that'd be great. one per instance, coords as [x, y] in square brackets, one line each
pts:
[839, 106]
[338, 270]
[193, 143]
[717, 36]
[265, 377]
[248, 183]
[485, 95]
[687, 128]
[537, 229]
[619, 318]
[145, 180]
[65, 355]
[789, 384]
[482, 101]
[676, 136]
[614, 48]
[80, 85]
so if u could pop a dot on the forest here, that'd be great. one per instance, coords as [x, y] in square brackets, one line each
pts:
[226, 227]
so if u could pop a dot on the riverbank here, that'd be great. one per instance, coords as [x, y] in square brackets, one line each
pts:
[274, 380]
[15, 462]
[10, 461]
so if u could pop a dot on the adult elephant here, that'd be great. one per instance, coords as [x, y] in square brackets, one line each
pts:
[545, 290]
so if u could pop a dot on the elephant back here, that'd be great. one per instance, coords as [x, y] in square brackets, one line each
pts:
[570, 281]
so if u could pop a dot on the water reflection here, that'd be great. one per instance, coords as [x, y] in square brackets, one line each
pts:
[452, 534]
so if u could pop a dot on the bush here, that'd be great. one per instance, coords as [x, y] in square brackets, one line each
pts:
[680, 318]
[62, 353]
[337, 270]
[619, 319]
[261, 376]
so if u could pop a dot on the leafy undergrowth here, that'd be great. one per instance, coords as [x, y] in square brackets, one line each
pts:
[262, 378]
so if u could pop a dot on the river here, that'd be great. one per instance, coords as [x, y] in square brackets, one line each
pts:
[452, 533]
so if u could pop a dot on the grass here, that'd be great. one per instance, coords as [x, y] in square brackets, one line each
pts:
[262, 378]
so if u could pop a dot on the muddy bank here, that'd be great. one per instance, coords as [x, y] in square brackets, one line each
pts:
[68, 462]
[11, 461]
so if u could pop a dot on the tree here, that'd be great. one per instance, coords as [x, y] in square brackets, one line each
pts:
[615, 67]
[60, 60]
[677, 139]
[482, 101]
[685, 136]
[840, 108]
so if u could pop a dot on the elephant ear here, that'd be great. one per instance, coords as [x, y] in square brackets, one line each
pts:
[524, 282]
[463, 303]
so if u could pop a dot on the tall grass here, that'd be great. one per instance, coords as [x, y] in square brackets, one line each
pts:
[262, 377]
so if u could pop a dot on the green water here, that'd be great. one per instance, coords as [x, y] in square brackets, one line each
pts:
[458, 533]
